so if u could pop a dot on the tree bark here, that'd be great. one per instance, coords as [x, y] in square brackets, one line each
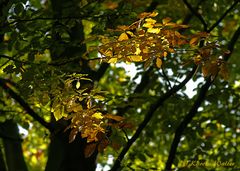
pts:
[12, 147]
[65, 156]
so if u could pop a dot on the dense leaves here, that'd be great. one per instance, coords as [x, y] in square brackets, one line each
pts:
[108, 78]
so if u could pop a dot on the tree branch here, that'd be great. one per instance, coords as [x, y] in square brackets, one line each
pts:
[193, 111]
[223, 16]
[199, 16]
[148, 117]
[179, 131]
[5, 85]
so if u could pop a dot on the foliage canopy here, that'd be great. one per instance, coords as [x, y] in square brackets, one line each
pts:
[64, 81]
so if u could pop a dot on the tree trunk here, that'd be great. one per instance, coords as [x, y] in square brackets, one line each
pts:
[12, 147]
[2, 162]
[65, 156]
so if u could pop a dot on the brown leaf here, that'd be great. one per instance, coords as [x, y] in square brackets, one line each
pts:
[72, 135]
[166, 20]
[194, 41]
[224, 73]
[114, 117]
[89, 149]
[103, 144]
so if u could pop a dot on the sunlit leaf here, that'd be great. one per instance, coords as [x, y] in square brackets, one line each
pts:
[158, 62]
[154, 30]
[112, 60]
[97, 115]
[147, 14]
[78, 85]
[123, 36]
[58, 113]
[148, 25]
[150, 20]
[165, 54]
[135, 58]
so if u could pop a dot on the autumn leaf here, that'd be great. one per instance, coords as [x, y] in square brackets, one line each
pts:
[78, 85]
[165, 54]
[194, 41]
[112, 60]
[72, 135]
[147, 14]
[123, 37]
[224, 73]
[89, 149]
[166, 20]
[135, 58]
[58, 113]
[114, 117]
[97, 115]
[158, 62]
[154, 30]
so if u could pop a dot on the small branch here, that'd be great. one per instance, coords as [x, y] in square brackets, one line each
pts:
[223, 16]
[16, 60]
[199, 16]
[5, 85]
[148, 117]
[166, 77]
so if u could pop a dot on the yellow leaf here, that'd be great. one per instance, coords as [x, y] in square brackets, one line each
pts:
[107, 52]
[153, 14]
[97, 115]
[147, 14]
[99, 97]
[148, 25]
[135, 58]
[78, 85]
[114, 117]
[150, 20]
[146, 50]
[112, 60]
[154, 30]
[158, 62]
[130, 33]
[197, 59]
[166, 20]
[89, 103]
[194, 41]
[123, 36]
[57, 113]
[164, 53]
[138, 51]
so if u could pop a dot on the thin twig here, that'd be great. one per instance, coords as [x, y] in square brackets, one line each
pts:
[199, 16]
[223, 16]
